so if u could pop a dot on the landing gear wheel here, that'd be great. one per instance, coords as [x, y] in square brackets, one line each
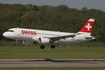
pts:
[42, 46]
[52, 46]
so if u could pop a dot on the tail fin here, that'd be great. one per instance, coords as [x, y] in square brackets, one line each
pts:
[87, 28]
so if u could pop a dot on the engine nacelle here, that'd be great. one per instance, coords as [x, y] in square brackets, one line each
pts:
[41, 40]
[44, 40]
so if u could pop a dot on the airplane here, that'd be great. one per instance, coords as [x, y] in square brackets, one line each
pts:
[31, 36]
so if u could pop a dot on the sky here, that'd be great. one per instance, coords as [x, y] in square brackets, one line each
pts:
[79, 4]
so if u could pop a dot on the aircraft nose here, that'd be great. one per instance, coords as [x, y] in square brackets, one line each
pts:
[5, 34]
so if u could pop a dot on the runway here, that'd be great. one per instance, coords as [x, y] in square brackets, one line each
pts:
[11, 63]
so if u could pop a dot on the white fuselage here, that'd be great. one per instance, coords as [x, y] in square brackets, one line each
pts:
[29, 34]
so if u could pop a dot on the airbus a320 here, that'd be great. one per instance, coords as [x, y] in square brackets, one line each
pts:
[31, 36]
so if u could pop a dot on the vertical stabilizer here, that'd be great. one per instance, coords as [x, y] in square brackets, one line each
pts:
[87, 28]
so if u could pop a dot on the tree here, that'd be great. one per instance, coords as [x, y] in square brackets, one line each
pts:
[59, 18]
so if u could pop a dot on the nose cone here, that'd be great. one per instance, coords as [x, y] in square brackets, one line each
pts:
[9, 35]
[5, 34]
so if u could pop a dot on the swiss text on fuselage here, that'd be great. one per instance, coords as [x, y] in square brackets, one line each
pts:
[28, 32]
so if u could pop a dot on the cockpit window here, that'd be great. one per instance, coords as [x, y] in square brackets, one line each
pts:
[10, 31]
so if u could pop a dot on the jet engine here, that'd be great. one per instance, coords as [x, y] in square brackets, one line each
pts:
[41, 40]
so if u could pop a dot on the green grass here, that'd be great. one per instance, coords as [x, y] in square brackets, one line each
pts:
[58, 52]
[82, 50]
[52, 68]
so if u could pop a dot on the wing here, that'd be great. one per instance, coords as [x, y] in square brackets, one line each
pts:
[61, 37]
[57, 38]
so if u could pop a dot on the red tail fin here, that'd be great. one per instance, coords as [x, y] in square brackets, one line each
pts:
[87, 28]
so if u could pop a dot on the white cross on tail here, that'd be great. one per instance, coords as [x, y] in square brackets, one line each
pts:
[88, 26]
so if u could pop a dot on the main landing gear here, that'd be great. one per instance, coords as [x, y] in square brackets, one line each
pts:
[42, 46]
[52, 46]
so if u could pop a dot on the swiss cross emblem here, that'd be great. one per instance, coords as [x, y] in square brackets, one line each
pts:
[88, 27]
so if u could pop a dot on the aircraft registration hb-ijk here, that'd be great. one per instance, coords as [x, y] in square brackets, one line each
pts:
[31, 36]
